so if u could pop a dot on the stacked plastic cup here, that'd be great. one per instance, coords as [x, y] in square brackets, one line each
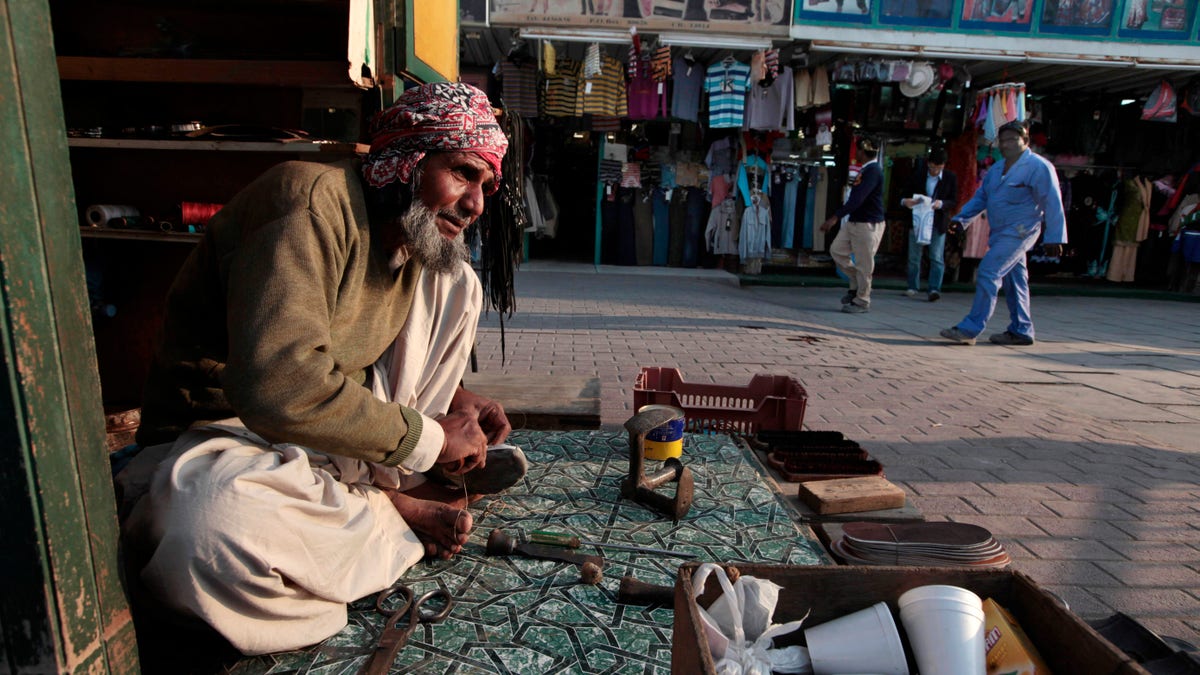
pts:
[863, 642]
[945, 630]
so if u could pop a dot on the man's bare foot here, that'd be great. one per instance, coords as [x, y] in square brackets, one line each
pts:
[442, 527]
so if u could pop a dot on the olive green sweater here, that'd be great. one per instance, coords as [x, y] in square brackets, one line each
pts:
[277, 314]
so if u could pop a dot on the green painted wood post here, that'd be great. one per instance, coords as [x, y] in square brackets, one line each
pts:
[62, 608]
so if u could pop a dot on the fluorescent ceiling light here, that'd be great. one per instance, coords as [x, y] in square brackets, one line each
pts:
[1127, 101]
[1165, 65]
[576, 35]
[971, 56]
[703, 40]
[890, 51]
[1068, 61]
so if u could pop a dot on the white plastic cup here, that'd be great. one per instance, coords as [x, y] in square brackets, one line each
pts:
[863, 642]
[945, 630]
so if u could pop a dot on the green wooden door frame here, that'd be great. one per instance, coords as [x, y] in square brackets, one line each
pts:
[62, 609]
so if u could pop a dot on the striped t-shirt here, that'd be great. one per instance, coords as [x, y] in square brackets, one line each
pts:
[604, 94]
[519, 88]
[558, 91]
[726, 84]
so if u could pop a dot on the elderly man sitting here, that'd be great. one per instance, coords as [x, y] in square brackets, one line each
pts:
[309, 374]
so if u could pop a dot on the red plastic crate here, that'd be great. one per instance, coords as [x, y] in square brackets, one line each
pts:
[772, 402]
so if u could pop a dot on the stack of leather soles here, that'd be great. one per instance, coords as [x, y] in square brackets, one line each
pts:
[937, 544]
[800, 456]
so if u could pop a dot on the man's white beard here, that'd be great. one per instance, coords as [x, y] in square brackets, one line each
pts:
[425, 243]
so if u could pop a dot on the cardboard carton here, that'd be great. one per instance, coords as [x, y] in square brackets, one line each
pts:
[1009, 649]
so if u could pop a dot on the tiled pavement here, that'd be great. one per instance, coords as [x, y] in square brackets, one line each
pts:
[1081, 453]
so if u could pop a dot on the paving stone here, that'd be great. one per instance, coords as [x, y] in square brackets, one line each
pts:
[1141, 574]
[943, 505]
[1074, 509]
[1083, 528]
[1021, 491]
[930, 488]
[999, 506]
[1150, 601]
[1080, 600]
[1146, 551]
[1067, 548]
[1066, 572]
[1144, 530]
[1001, 526]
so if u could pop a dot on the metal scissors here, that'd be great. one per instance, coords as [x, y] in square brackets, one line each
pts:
[395, 635]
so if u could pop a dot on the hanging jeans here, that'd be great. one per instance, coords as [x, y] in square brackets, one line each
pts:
[662, 226]
[1003, 266]
[937, 265]
[694, 232]
[791, 188]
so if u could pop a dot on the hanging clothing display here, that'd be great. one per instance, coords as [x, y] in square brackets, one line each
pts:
[998, 105]
[662, 225]
[643, 225]
[1133, 225]
[518, 87]
[687, 83]
[754, 241]
[559, 92]
[726, 83]
[771, 107]
[753, 178]
[694, 227]
[603, 93]
[724, 225]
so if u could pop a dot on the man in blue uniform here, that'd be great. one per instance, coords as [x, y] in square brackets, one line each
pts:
[1019, 196]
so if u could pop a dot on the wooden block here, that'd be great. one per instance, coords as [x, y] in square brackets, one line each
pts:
[850, 495]
[544, 402]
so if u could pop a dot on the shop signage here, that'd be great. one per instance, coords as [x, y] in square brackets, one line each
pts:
[837, 10]
[756, 17]
[1157, 18]
[1015, 15]
[1074, 16]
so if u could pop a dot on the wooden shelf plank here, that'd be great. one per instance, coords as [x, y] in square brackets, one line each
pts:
[206, 71]
[331, 147]
[139, 235]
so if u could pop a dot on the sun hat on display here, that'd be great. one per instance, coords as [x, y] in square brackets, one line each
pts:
[920, 79]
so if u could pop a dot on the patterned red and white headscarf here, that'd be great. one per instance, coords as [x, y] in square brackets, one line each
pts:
[437, 117]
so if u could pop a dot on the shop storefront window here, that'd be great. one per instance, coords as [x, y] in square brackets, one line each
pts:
[843, 10]
[1014, 15]
[1077, 16]
[1157, 19]
[917, 12]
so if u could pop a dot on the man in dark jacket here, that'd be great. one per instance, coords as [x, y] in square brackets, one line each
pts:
[861, 234]
[936, 189]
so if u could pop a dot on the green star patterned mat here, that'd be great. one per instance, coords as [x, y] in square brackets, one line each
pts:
[517, 615]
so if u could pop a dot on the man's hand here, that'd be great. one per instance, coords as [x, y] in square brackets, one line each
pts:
[828, 223]
[488, 413]
[1053, 250]
[937, 205]
[909, 202]
[466, 444]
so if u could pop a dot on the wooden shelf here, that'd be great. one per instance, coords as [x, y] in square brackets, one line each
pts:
[139, 235]
[206, 71]
[324, 147]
